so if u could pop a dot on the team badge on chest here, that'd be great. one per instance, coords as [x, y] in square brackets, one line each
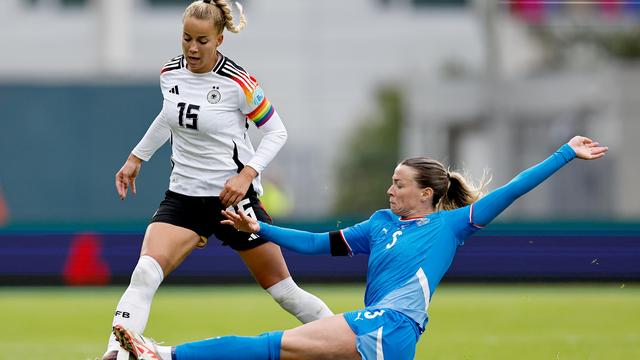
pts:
[214, 96]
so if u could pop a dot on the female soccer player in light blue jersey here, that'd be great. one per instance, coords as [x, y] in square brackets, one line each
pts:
[410, 245]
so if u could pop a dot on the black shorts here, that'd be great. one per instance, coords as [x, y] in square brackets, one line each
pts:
[202, 214]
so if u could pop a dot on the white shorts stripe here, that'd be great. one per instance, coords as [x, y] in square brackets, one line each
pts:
[379, 352]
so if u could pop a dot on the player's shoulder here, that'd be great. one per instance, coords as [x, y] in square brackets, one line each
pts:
[457, 212]
[230, 69]
[383, 215]
[176, 63]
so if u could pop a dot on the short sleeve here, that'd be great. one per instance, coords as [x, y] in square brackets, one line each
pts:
[358, 237]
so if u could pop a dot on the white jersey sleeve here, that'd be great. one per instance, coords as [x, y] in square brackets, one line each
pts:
[157, 134]
[257, 108]
[273, 138]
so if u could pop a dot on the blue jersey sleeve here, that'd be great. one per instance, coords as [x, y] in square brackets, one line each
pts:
[357, 237]
[303, 242]
[460, 223]
[483, 211]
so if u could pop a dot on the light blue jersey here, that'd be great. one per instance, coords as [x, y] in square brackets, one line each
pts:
[408, 258]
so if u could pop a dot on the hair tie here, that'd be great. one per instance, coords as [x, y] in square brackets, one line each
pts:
[206, 1]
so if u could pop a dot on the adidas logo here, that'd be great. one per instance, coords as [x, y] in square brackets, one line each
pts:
[174, 90]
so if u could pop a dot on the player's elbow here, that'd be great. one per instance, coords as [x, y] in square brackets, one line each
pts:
[282, 135]
[278, 136]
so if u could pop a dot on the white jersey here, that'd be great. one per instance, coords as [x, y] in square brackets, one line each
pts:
[207, 117]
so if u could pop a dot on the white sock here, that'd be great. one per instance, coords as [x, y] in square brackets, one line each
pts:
[301, 304]
[164, 352]
[123, 355]
[135, 304]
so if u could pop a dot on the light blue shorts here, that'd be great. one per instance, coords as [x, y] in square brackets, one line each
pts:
[383, 334]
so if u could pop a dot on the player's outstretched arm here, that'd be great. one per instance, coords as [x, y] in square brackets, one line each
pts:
[303, 242]
[489, 206]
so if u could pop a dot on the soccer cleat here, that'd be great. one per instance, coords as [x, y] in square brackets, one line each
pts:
[137, 345]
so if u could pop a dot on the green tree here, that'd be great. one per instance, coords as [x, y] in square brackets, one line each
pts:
[364, 173]
[624, 45]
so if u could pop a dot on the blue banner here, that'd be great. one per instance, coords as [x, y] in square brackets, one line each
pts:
[563, 253]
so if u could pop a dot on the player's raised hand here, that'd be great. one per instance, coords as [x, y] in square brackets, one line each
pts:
[241, 221]
[586, 148]
[126, 176]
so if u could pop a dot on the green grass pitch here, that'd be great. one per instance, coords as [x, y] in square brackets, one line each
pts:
[468, 322]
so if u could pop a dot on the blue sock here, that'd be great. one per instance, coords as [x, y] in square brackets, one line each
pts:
[265, 346]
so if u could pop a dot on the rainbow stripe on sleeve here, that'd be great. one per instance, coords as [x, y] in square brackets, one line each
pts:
[262, 113]
[252, 91]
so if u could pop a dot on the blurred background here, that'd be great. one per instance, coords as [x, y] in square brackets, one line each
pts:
[360, 84]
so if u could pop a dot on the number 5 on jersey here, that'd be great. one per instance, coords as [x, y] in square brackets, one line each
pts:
[192, 115]
[394, 238]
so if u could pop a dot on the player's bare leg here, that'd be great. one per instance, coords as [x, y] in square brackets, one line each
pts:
[328, 338]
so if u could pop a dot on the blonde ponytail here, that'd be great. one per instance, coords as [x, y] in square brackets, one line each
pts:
[217, 11]
[451, 190]
[228, 17]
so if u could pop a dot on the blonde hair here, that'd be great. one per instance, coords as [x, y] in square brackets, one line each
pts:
[217, 11]
[451, 190]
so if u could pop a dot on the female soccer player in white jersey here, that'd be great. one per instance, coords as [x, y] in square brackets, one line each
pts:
[410, 246]
[209, 101]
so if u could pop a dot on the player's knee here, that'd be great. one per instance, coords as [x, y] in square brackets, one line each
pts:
[285, 291]
[147, 273]
[303, 305]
